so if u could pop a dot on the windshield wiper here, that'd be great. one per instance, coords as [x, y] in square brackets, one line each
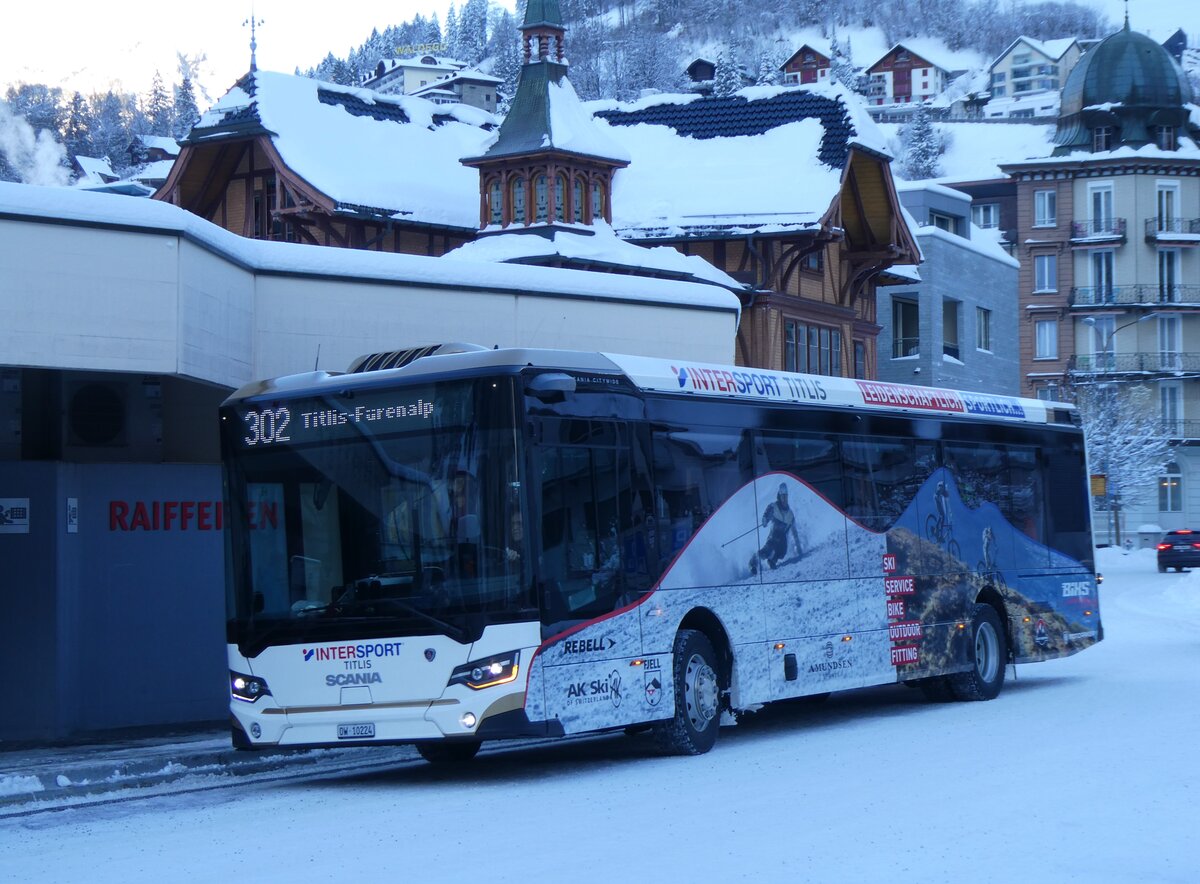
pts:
[350, 603]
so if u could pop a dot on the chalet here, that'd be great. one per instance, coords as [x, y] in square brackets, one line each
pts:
[93, 171]
[806, 66]
[701, 70]
[915, 71]
[698, 193]
[285, 157]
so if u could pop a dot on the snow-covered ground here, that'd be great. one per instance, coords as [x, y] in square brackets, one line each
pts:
[1084, 769]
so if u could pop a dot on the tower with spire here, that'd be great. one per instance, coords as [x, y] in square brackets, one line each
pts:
[550, 164]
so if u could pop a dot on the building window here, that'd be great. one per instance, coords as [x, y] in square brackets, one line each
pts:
[986, 215]
[1050, 392]
[1102, 276]
[1170, 490]
[1045, 208]
[813, 262]
[1168, 206]
[495, 203]
[983, 329]
[597, 202]
[812, 349]
[577, 203]
[860, 359]
[1102, 220]
[950, 329]
[541, 195]
[1170, 398]
[1045, 335]
[517, 189]
[999, 91]
[1164, 137]
[1102, 138]
[560, 197]
[942, 222]
[998, 78]
[906, 332]
[1045, 273]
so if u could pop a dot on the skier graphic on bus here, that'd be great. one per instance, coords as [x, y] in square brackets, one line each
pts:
[780, 520]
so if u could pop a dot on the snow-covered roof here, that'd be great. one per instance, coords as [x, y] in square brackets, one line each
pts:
[596, 245]
[169, 146]
[982, 242]
[95, 170]
[348, 143]
[937, 53]
[689, 172]
[156, 171]
[1188, 150]
[1053, 49]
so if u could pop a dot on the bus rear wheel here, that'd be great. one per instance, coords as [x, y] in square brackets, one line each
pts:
[693, 730]
[448, 753]
[988, 658]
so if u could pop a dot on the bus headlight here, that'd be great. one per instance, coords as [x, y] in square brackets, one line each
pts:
[247, 688]
[488, 671]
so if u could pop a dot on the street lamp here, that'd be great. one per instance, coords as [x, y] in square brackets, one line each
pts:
[1109, 336]
[1105, 389]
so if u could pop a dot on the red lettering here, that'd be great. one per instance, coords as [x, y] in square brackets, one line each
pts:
[889, 562]
[901, 656]
[220, 515]
[187, 509]
[141, 519]
[170, 509]
[156, 510]
[269, 513]
[895, 609]
[204, 515]
[118, 511]
[899, 585]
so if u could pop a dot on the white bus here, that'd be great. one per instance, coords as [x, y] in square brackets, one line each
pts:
[484, 544]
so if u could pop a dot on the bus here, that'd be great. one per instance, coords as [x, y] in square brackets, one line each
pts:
[456, 544]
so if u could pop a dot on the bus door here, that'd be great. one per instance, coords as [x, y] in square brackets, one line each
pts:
[583, 480]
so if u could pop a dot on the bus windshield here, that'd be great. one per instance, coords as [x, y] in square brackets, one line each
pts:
[372, 506]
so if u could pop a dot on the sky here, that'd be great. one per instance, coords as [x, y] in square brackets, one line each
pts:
[1083, 769]
[128, 49]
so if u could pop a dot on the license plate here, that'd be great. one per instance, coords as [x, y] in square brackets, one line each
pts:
[355, 731]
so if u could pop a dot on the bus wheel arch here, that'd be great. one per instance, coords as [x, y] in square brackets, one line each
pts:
[987, 654]
[990, 596]
[705, 621]
[700, 678]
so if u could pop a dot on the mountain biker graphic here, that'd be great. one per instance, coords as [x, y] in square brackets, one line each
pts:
[782, 522]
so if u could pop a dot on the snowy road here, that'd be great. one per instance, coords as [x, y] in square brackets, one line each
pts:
[1084, 769]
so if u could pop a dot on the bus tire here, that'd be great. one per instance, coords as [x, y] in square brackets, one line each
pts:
[457, 752]
[693, 730]
[988, 658]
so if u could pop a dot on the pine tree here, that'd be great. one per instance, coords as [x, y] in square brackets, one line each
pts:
[726, 79]
[841, 66]
[76, 134]
[506, 50]
[472, 32]
[451, 31]
[160, 110]
[922, 146]
[768, 72]
[185, 109]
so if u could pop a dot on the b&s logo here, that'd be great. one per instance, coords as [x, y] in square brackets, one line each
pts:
[1041, 635]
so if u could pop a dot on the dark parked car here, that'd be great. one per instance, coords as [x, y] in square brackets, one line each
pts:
[1179, 549]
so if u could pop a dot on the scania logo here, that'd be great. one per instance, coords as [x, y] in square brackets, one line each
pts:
[430, 653]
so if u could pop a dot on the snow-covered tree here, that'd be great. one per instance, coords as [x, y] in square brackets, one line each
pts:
[159, 108]
[1125, 442]
[505, 48]
[841, 64]
[471, 45]
[921, 145]
[768, 71]
[450, 32]
[76, 129]
[726, 78]
[185, 108]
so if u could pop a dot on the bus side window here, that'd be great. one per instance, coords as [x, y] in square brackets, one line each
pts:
[582, 490]
[697, 471]
[879, 474]
[810, 457]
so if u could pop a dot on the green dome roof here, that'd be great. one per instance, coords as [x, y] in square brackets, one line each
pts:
[1127, 81]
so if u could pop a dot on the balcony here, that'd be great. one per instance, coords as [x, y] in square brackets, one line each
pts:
[1173, 231]
[1181, 430]
[1152, 295]
[1097, 233]
[1132, 363]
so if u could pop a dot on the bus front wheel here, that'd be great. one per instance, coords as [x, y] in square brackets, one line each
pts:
[449, 752]
[693, 730]
[988, 658]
